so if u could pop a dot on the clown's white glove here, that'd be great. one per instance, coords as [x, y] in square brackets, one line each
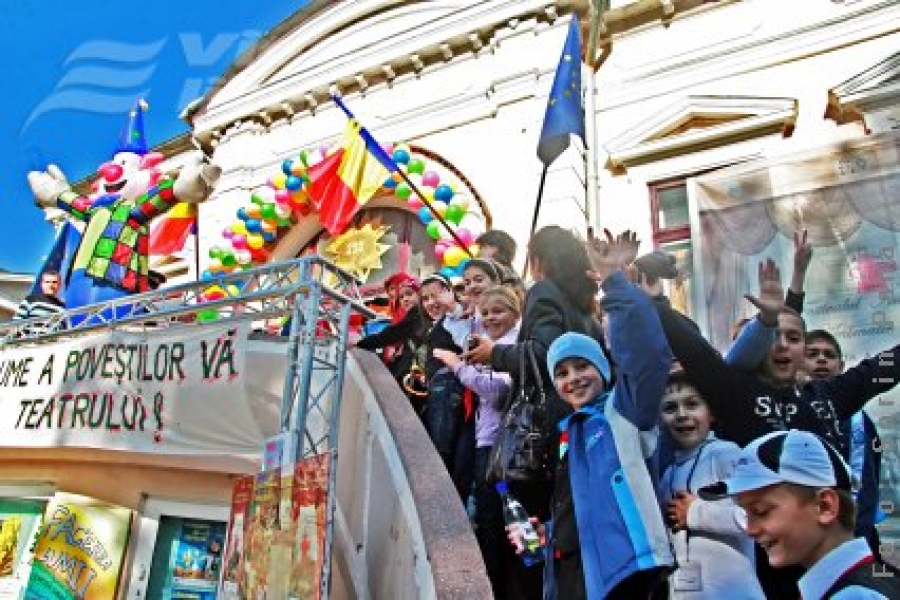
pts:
[196, 181]
[48, 185]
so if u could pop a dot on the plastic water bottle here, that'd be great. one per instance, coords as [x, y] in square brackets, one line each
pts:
[514, 514]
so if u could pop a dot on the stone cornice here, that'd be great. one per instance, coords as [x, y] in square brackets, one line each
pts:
[462, 34]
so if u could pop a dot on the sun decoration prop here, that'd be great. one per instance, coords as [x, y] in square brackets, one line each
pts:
[358, 250]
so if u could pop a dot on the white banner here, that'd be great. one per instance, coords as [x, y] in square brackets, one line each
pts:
[181, 392]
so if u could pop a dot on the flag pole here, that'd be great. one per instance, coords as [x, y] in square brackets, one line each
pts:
[412, 186]
[534, 219]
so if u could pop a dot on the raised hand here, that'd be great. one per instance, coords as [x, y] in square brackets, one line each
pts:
[195, 181]
[771, 295]
[48, 185]
[612, 254]
[803, 252]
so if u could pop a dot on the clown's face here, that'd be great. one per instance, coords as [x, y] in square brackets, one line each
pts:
[126, 176]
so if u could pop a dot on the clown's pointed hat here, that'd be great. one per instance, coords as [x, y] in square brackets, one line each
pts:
[132, 138]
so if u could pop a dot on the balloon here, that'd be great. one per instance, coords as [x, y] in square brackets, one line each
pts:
[207, 274]
[454, 214]
[461, 267]
[425, 215]
[239, 227]
[414, 202]
[253, 212]
[267, 211]
[434, 230]
[227, 233]
[293, 183]
[277, 181]
[228, 259]
[214, 292]
[215, 252]
[403, 191]
[259, 255]
[387, 148]
[390, 183]
[430, 179]
[268, 236]
[416, 165]
[401, 155]
[207, 315]
[439, 251]
[428, 193]
[439, 207]
[443, 193]
[282, 197]
[233, 290]
[299, 197]
[242, 214]
[239, 242]
[465, 236]
[449, 272]
[255, 241]
[254, 226]
[270, 226]
[287, 167]
[454, 255]
[299, 168]
[214, 265]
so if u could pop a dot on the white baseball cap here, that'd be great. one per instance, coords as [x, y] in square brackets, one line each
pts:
[794, 456]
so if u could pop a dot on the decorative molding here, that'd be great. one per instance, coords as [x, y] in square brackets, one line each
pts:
[868, 91]
[698, 123]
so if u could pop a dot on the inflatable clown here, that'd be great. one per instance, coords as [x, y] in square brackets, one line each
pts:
[112, 258]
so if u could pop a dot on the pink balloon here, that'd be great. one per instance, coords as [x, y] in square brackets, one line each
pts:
[465, 236]
[227, 233]
[439, 251]
[239, 242]
[431, 179]
[414, 202]
[283, 197]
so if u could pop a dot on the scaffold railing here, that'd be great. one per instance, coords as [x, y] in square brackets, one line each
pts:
[317, 297]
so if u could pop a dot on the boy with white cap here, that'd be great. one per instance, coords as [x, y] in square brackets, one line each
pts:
[797, 492]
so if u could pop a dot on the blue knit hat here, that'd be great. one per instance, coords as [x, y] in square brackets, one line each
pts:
[577, 345]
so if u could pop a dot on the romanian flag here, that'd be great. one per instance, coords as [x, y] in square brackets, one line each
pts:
[345, 180]
[173, 229]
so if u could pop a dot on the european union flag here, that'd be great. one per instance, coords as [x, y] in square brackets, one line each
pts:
[565, 114]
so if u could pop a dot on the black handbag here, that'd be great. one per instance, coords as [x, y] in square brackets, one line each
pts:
[521, 454]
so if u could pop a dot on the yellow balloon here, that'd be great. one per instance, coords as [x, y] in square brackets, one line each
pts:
[239, 227]
[255, 241]
[454, 255]
[278, 180]
[233, 290]
[429, 194]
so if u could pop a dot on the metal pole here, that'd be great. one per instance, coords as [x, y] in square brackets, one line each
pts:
[534, 219]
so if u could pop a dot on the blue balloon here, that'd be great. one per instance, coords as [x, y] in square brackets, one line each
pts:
[254, 225]
[401, 156]
[390, 183]
[425, 215]
[293, 183]
[461, 267]
[207, 275]
[443, 192]
[269, 236]
[242, 214]
[286, 166]
[448, 272]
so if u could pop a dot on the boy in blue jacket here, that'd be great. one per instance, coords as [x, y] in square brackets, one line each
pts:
[606, 538]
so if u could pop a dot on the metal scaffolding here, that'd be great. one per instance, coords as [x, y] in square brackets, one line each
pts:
[319, 299]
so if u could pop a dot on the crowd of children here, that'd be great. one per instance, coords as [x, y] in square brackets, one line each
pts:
[673, 471]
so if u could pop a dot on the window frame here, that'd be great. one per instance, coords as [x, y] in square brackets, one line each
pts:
[666, 235]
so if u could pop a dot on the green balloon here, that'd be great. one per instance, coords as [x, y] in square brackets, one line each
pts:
[267, 211]
[228, 259]
[434, 230]
[455, 214]
[403, 191]
[416, 165]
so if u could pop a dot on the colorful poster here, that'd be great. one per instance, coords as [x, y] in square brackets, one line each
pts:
[19, 524]
[232, 587]
[79, 550]
[184, 391]
[284, 547]
[197, 560]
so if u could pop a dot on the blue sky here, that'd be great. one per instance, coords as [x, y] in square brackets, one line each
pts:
[73, 69]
